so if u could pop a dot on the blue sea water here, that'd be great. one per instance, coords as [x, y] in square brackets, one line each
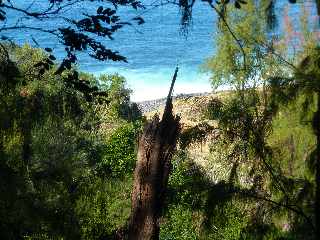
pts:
[153, 49]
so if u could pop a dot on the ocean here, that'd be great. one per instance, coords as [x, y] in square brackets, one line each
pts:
[153, 49]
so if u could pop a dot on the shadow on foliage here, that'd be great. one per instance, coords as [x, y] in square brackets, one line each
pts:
[222, 202]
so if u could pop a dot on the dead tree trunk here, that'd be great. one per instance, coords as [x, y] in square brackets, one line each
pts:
[156, 147]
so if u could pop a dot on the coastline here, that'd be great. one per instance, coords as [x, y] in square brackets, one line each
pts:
[153, 105]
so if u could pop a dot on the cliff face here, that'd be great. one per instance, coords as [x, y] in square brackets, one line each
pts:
[154, 105]
[191, 110]
[189, 107]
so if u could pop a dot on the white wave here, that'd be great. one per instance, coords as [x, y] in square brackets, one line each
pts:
[151, 83]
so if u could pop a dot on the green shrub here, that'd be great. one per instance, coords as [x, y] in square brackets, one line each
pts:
[119, 155]
[199, 208]
[228, 220]
[179, 224]
[51, 140]
[104, 207]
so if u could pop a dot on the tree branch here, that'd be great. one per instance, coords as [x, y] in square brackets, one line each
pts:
[54, 32]
[231, 32]
[292, 208]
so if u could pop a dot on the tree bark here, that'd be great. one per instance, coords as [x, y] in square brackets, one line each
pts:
[156, 147]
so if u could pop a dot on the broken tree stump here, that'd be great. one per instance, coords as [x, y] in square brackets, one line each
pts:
[156, 147]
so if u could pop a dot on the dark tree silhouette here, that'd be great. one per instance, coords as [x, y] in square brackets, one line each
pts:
[77, 33]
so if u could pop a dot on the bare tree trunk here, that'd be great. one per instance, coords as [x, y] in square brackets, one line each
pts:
[156, 147]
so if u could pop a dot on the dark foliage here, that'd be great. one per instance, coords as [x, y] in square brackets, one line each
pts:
[196, 134]
[78, 34]
[50, 150]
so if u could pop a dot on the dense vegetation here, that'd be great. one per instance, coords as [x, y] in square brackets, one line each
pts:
[68, 144]
[261, 178]
[64, 169]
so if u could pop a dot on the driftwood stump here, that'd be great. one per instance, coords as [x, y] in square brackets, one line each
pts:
[156, 147]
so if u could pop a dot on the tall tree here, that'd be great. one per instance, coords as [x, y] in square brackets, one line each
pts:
[248, 65]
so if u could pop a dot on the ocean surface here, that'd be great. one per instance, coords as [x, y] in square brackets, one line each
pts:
[153, 49]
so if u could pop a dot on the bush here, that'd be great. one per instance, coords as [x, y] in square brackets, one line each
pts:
[104, 207]
[199, 208]
[179, 224]
[119, 155]
[50, 145]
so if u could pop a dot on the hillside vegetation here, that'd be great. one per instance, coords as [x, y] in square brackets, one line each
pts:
[207, 183]
[79, 160]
